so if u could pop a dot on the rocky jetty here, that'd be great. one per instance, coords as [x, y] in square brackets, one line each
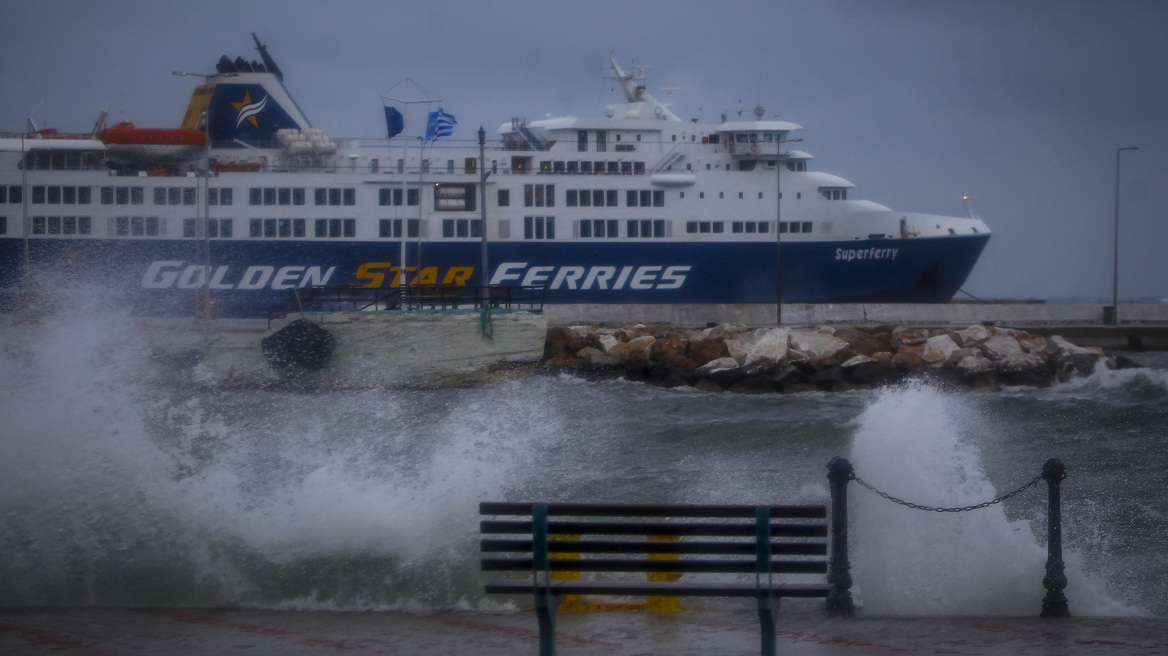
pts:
[785, 360]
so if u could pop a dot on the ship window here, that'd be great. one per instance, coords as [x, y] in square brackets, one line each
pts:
[545, 166]
[539, 227]
[504, 198]
[658, 198]
[38, 225]
[646, 197]
[16, 194]
[269, 227]
[160, 196]
[411, 197]
[626, 168]
[384, 197]
[54, 225]
[558, 166]
[764, 227]
[284, 228]
[638, 168]
[450, 166]
[586, 167]
[806, 226]
[190, 228]
[255, 196]
[38, 195]
[55, 195]
[373, 165]
[284, 196]
[601, 141]
[401, 166]
[151, 226]
[751, 226]
[389, 228]
[470, 164]
[701, 194]
[3, 225]
[586, 198]
[269, 195]
[582, 141]
[174, 196]
[573, 166]
[137, 226]
[84, 225]
[121, 195]
[570, 197]
[137, 195]
[188, 196]
[413, 228]
[598, 198]
[425, 166]
[834, 193]
[334, 196]
[69, 225]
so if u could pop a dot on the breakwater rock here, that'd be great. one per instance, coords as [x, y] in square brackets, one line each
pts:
[830, 358]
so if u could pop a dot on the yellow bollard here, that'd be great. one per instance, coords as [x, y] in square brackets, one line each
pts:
[663, 604]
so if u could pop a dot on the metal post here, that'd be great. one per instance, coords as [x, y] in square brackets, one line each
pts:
[778, 233]
[1055, 602]
[839, 601]
[1114, 318]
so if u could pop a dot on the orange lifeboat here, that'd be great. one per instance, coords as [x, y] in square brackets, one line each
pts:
[127, 143]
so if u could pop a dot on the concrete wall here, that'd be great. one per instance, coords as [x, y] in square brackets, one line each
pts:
[373, 349]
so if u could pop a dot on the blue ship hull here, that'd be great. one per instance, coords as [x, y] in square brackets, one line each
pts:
[161, 277]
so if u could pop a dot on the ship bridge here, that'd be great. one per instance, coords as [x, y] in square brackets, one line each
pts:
[755, 138]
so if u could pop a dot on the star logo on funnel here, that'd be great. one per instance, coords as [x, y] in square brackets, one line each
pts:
[248, 110]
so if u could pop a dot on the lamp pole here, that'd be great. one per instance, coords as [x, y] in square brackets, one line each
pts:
[485, 276]
[203, 301]
[1115, 261]
[778, 228]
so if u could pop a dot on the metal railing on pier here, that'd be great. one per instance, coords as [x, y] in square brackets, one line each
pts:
[411, 298]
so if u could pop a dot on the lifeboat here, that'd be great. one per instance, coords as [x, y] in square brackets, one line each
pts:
[130, 144]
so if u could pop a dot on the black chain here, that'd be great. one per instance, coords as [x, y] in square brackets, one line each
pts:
[917, 506]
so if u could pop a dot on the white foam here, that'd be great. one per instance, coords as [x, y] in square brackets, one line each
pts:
[912, 442]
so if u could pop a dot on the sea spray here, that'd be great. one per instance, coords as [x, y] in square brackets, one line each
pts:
[915, 443]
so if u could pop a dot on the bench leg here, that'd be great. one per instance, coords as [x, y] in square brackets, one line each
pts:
[768, 608]
[546, 604]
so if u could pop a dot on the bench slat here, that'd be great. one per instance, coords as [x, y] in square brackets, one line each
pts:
[633, 588]
[651, 510]
[633, 547]
[742, 566]
[488, 526]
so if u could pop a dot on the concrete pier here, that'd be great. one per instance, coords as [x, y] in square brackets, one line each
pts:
[800, 632]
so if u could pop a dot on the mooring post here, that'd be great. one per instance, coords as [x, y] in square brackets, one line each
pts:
[839, 601]
[1055, 602]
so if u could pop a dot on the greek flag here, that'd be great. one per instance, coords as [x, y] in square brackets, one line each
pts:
[440, 124]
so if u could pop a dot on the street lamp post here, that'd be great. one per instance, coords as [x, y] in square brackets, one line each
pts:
[203, 300]
[1114, 314]
[778, 229]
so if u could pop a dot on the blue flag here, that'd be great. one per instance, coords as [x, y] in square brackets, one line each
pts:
[440, 124]
[394, 122]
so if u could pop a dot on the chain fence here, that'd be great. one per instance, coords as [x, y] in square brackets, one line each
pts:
[917, 506]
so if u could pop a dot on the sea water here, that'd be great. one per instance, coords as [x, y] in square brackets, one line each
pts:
[117, 490]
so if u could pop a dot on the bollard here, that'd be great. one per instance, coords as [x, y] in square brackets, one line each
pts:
[839, 601]
[1054, 604]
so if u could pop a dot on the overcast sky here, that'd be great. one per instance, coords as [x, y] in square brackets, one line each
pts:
[1019, 105]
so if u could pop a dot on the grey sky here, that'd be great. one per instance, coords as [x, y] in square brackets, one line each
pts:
[1019, 105]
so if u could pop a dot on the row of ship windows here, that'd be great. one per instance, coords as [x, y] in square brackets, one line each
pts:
[534, 227]
[596, 168]
[746, 227]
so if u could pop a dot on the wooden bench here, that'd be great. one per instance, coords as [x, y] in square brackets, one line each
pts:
[725, 544]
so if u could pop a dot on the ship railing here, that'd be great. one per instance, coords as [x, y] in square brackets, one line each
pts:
[411, 298]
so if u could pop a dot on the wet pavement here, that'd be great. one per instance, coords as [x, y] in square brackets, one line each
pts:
[120, 632]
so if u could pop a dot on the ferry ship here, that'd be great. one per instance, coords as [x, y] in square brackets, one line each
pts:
[635, 206]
